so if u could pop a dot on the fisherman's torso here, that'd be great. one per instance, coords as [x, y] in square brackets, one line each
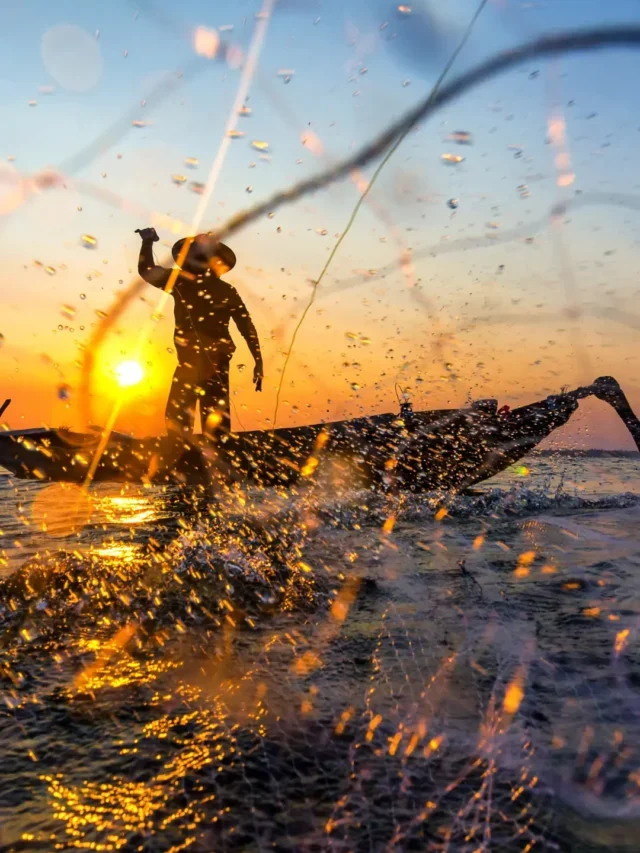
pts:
[203, 308]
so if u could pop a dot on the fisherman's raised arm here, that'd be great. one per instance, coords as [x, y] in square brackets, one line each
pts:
[147, 267]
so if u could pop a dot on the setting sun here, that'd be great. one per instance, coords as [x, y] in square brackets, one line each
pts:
[129, 373]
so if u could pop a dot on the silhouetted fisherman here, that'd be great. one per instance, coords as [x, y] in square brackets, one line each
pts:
[204, 305]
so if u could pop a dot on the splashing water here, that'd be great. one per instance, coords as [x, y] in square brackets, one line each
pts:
[453, 679]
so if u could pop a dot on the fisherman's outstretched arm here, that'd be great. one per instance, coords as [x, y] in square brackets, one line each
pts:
[147, 267]
[246, 328]
[248, 331]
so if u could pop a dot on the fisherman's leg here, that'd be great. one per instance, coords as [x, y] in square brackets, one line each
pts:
[182, 399]
[214, 404]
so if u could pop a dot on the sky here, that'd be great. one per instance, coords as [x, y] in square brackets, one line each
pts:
[498, 300]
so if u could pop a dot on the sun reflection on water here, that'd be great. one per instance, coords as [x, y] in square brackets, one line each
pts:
[127, 509]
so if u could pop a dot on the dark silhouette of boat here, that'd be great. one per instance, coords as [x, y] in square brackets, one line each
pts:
[416, 451]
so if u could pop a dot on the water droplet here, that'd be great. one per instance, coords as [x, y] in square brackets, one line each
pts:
[125, 53]
[241, 367]
[245, 111]
[234, 56]
[68, 311]
[235, 134]
[355, 386]
[249, 189]
[365, 341]
[83, 296]
[50, 270]
[11, 157]
[79, 207]
[206, 42]
[322, 232]
[404, 10]
[461, 137]
[197, 187]
[452, 159]
[453, 203]
[406, 83]
[191, 162]
[178, 180]
[88, 241]
[170, 350]
[64, 391]
[259, 145]
[353, 336]
[48, 179]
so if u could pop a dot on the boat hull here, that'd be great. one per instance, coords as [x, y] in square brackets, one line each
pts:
[421, 451]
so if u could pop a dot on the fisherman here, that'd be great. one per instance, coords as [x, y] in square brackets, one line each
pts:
[204, 305]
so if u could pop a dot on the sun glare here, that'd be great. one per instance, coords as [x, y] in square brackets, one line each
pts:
[129, 373]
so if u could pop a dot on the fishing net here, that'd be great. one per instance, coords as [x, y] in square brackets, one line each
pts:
[257, 688]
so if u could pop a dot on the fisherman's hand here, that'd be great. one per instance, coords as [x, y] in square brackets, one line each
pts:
[258, 376]
[148, 234]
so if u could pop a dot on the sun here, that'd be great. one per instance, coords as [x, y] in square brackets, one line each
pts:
[129, 373]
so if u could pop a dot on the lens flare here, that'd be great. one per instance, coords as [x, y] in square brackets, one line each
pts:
[129, 373]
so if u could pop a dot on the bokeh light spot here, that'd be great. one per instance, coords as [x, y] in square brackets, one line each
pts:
[72, 57]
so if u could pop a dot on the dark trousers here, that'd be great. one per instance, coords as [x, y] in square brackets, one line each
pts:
[204, 378]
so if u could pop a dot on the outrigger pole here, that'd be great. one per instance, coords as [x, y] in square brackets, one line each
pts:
[606, 388]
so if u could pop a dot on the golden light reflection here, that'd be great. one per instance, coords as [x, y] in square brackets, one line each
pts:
[127, 509]
[126, 552]
[61, 509]
[114, 668]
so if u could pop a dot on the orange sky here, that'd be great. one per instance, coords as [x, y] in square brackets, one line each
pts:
[364, 344]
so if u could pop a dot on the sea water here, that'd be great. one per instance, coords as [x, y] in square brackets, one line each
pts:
[326, 672]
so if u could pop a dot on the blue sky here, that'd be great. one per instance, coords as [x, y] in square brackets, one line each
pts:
[328, 44]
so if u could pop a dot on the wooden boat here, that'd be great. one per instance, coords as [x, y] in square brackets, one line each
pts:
[417, 451]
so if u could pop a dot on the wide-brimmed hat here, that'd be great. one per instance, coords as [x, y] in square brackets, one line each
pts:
[202, 249]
